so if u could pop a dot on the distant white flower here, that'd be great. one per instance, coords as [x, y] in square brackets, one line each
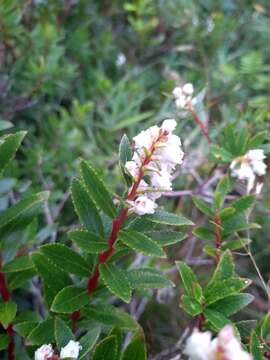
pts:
[183, 95]
[225, 346]
[121, 59]
[142, 205]
[71, 350]
[44, 352]
[249, 166]
[198, 345]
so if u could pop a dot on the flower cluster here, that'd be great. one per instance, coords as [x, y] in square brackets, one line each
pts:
[224, 347]
[71, 350]
[248, 167]
[157, 152]
[183, 95]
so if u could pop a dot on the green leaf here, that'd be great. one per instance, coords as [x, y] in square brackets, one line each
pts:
[255, 346]
[235, 244]
[24, 328]
[141, 243]
[189, 280]
[203, 206]
[20, 263]
[54, 278]
[62, 332]
[224, 288]
[232, 304]
[88, 241]
[116, 281]
[224, 269]
[204, 233]
[111, 316]
[224, 185]
[118, 333]
[136, 349]
[243, 203]
[220, 154]
[257, 140]
[106, 349]
[4, 341]
[66, 259]
[8, 146]
[70, 299]
[21, 207]
[191, 306]
[88, 341]
[226, 213]
[85, 208]
[165, 238]
[125, 150]
[145, 278]
[166, 218]
[216, 319]
[132, 120]
[7, 312]
[97, 189]
[43, 333]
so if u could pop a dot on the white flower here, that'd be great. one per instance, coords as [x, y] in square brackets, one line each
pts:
[142, 205]
[44, 352]
[188, 89]
[249, 166]
[198, 345]
[71, 350]
[157, 152]
[183, 95]
[225, 346]
[121, 59]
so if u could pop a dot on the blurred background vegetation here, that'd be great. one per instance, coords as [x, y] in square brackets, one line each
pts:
[77, 74]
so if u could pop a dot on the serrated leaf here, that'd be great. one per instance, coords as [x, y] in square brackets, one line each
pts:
[116, 281]
[21, 207]
[97, 189]
[43, 333]
[136, 349]
[190, 305]
[8, 146]
[203, 206]
[18, 279]
[66, 259]
[8, 311]
[88, 241]
[141, 243]
[224, 288]
[85, 208]
[165, 238]
[145, 278]
[20, 263]
[62, 333]
[111, 316]
[224, 269]
[216, 319]
[24, 328]
[166, 218]
[70, 299]
[118, 333]
[54, 278]
[232, 304]
[189, 279]
[88, 341]
[106, 349]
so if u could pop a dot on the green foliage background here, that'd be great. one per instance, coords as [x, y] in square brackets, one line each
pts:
[60, 79]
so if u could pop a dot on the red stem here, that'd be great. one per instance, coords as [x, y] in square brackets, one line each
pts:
[218, 239]
[200, 123]
[118, 222]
